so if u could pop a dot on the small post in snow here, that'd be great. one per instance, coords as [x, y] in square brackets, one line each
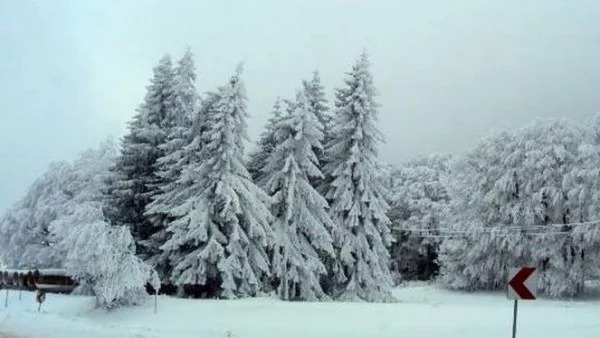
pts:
[40, 296]
[155, 300]
[155, 284]
[6, 299]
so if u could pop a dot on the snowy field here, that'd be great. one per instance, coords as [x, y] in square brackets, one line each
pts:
[424, 311]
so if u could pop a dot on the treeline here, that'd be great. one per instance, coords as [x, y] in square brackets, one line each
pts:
[310, 213]
[523, 197]
[305, 216]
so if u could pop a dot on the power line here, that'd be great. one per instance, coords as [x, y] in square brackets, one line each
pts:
[492, 230]
[503, 226]
[539, 234]
[503, 230]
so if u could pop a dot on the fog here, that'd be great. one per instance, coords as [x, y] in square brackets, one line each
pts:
[448, 72]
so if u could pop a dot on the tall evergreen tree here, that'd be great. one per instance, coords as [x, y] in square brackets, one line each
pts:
[136, 177]
[224, 226]
[177, 194]
[302, 226]
[317, 105]
[185, 101]
[266, 145]
[356, 195]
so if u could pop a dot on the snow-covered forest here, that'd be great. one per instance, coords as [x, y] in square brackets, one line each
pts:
[309, 211]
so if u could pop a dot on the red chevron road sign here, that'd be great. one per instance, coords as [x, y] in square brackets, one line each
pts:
[522, 283]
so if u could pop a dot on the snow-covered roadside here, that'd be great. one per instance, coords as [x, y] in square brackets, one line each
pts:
[423, 312]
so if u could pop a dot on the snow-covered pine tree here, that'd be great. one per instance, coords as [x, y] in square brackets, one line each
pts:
[265, 146]
[176, 195]
[357, 197]
[317, 105]
[172, 161]
[186, 97]
[317, 102]
[136, 179]
[302, 225]
[224, 226]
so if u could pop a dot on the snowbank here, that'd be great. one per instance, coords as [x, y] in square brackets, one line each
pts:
[424, 312]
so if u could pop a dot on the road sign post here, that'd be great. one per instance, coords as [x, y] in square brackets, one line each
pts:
[514, 331]
[522, 284]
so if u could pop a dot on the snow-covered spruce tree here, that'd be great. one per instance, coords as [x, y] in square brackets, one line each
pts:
[265, 146]
[224, 226]
[173, 159]
[419, 200]
[302, 226]
[317, 102]
[357, 197]
[186, 97]
[136, 178]
[528, 186]
[176, 195]
[317, 105]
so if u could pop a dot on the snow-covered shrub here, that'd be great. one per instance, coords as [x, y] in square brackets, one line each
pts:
[102, 257]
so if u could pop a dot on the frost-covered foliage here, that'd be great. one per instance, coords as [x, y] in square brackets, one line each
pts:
[101, 257]
[418, 201]
[302, 226]
[265, 146]
[223, 222]
[357, 197]
[27, 237]
[136, 180]
[513, 198]
[61, 224]
[172, 161]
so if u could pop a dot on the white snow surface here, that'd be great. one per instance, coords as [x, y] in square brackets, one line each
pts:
[423, 311]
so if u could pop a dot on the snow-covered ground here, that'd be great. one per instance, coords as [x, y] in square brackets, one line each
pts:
[424, 311]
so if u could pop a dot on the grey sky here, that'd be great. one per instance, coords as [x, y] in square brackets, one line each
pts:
[448, 72]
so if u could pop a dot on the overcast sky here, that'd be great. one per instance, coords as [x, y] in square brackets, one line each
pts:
[448, 72]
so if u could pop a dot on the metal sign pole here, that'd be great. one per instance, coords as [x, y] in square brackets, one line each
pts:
[514, 330]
